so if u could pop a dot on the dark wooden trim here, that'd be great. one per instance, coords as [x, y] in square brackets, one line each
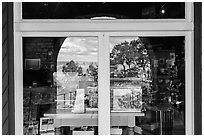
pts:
[11, 69]
[5, 131]
[4, 72]
[8, 113]
[197, 68]
[5, 113]
[4, 97]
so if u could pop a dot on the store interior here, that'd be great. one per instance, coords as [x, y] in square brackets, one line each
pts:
[152, 67]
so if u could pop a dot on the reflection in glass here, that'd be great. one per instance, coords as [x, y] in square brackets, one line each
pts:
[148, 76]
[117, 10]
[60, 77]
[129, 63]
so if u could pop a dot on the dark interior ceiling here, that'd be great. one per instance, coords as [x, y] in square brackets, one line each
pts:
[87, 10]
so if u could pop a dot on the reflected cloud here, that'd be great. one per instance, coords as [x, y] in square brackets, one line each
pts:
[79, 49]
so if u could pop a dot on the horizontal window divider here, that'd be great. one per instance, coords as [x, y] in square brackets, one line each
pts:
[104, 27]
[101, 21]
[96, 34]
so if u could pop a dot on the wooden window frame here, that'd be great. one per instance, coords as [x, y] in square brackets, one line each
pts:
[104, 29]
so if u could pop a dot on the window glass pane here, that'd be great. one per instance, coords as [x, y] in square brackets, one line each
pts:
[60, 84]
[118, 10]
[147, 85]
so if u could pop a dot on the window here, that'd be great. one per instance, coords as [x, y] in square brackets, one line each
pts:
[117, 10]
[65, 78]
[149, 73]
[104, 76]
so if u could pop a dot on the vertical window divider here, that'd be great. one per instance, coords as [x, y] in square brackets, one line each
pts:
[18, 82]
[104, 86]
[18, 12]
[189, 83]
[189, 11]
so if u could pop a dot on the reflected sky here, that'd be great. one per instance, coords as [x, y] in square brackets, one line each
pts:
[84, 49]
[80, 49]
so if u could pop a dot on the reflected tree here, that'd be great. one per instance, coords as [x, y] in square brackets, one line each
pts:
[72, 66]
[93, 71]
[133, 58]
[80, 71]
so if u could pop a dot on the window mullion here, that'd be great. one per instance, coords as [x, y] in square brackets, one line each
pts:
[104, 86]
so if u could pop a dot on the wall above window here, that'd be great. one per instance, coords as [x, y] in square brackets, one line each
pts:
[115, 10]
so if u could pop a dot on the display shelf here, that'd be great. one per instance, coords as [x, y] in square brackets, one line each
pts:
[126, 79]
[92, 112]
[91, 118]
